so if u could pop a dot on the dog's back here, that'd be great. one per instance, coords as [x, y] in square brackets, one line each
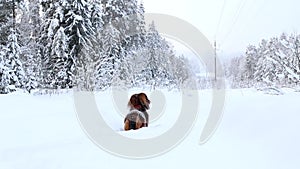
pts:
[135, 120]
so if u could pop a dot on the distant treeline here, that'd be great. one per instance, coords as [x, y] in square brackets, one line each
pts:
[273, 62]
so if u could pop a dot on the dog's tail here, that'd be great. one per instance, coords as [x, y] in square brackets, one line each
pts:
[132, 125]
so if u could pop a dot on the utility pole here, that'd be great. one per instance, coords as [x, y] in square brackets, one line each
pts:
[215, 59]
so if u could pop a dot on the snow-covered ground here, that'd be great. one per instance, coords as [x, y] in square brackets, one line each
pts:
[258, 131]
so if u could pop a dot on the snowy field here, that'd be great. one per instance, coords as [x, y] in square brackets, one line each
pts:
[258, 131]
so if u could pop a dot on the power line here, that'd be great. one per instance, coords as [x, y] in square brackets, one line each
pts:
[256, 10]
[220, 18]
[237, 16]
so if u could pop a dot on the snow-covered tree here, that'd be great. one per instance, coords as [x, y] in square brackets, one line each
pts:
[133, 24]
[12, 62]
[79, 27]
[294, 66]
[58, 61]
[6, 8]
[81, 35]
[49, 27]
[4, 73]
[273, 67]
[96, 14]
[29, 28]
[12, 73]
[139, 40]
[156, 73]
[274, 62]
[234, 72]
[111, 56]
[67, 39]
[251, 60]
[180, 72]
[97, 23]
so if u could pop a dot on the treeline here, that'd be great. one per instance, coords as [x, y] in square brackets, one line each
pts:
[86, 44]
[273, 62]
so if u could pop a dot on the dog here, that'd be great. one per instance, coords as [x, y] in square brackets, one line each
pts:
[138, 116]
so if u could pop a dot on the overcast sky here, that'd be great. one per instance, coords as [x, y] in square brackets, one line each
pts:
[242, 22]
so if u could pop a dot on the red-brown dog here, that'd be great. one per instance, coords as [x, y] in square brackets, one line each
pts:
[138, 116]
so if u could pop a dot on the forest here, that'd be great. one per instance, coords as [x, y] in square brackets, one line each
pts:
[84, 44]
[272, 63]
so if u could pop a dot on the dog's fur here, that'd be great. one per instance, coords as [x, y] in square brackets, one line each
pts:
[138, 116]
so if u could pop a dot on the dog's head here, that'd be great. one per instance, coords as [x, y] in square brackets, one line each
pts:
[145, 102]
[139, 101]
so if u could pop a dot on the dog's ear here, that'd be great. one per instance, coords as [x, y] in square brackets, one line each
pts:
[144, 100]
[133, 101]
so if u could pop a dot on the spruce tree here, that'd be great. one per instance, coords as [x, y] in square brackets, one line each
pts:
[81, 37]
[12, 73]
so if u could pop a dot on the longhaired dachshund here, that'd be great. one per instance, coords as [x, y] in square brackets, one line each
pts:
[138, 116]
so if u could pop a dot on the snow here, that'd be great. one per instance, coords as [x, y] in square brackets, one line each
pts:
[257, 131]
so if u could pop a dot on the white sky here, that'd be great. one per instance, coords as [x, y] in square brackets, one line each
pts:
[243, 21]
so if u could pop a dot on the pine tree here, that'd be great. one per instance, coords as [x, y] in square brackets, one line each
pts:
[137, 67]
[234, 71]
[59, 61]
[285, 50]
[132, 25]
[5, 26]
[29, 28]
[152, 44]
[5, 20]
[111, 58]
[12, 73]
[295, 60]
[4, 73]
[159, 52]
[67, 36]
[124, 74]
[97, 23]
[251, 60]
[258, 76]
[179, 69]
[12, 62]
[140, 40]
[49, 28]
[81, 37]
